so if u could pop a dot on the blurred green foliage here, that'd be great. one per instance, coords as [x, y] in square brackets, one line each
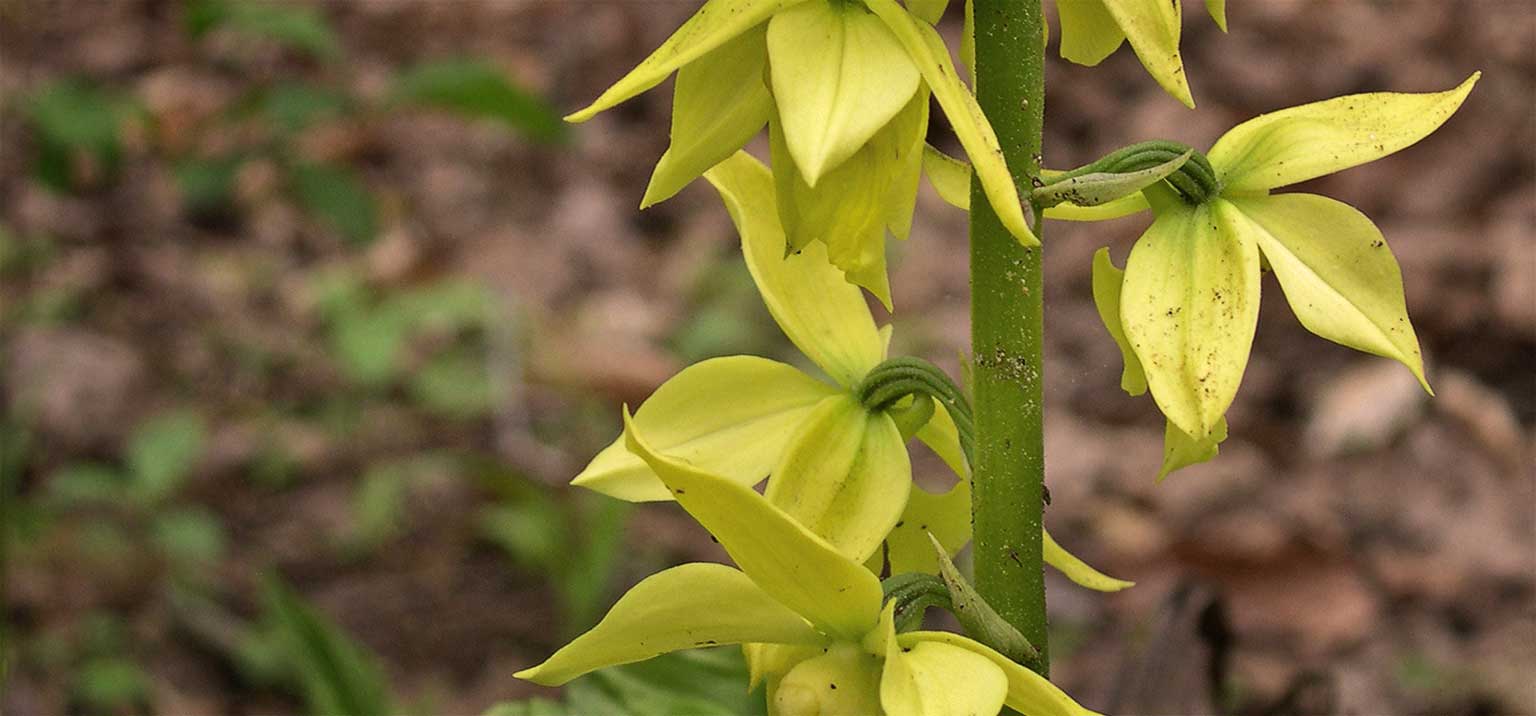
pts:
[474, 88]
[338, 676]
[704, 682]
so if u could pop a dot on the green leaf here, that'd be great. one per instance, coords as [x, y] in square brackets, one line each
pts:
[339, 198]
[190, 537]
[379, 502]
[1180, 450]
[680, 608]
[111, 684]
[367, 344]
[455, 385]
[162, 451]
[478, 90]
[85, 483]
[207, 185]
[731, 416]
[1306, 142]
[1337, 273]
[291, 106]
[589, 571]
[1107, 283]
[338, 676]
[718, 104]
[299, 27]
[72, 119]
[1099, 188]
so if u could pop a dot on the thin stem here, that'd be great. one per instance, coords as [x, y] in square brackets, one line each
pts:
[1007, 329]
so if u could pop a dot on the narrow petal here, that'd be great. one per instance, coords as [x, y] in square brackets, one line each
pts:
[1180, 450]
[1306, 142]
[719, 103]
[1124, 206]
[947, 516]
[681, 608]
[1189, 306]
[823, 314]
[903, 140]
[927, 50]
[712, 26]
[1152, 27]
[1088, 32]
[844, 476]
[785, 559]
[943, 438]
[1076, 569]
[731, 416]
[1218, 12]
[845, 681]
[1028, 692]
[1107, 282]
[1337, 273]
[935, 679]
[838, 76]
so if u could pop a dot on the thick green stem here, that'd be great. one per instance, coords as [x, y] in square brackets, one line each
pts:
[1007, 329]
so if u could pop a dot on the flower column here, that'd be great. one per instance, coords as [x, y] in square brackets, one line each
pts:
[1007, 329]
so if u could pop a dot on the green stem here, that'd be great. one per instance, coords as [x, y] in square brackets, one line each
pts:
[1007, 329]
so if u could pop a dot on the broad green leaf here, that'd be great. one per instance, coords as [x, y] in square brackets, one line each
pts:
[951, 178]
[338, 675]
[1306, 142]
[1152, 27]
[1028, 692]
[785, 559]
[976, 616]
[1337, 273]
[339, 198]
[1189, 306]
[823, 314]
[1076, 569]
[681, 608]
[838, 76]
[162, 452]
[479, 90]
[1218, 12]
[1180, 450]
[712, 26]
[927, 50]
[928, 11]
[844, 681]
[1107, 283]
[844, 475]
[718, 104]
[1100, 188]
[1088, 32]
[935, 679]
[731, 416]
[946, 516]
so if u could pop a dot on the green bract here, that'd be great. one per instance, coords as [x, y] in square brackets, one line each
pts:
[815, 615]
[840, 469]
[844, 86]
[1185, 309]
[1092, 30]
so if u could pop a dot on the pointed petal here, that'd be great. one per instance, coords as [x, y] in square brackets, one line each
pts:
[838, 76]
[936, 679]
[1152, 27]
[927, 50]
[968, 38]
[845, 681]
[1107, 282]
[1028, 692]
[1076, 569]
[1124, 206]
[903, 141]
[1088, 32]
[731, 416]
[1306, 142]
[928, 11]
[772, 661]
[785, 559]
[1189, 306]
[712, 26]
[719, 103]
[947, 516]
[1180, 450]
[943, 438]
[823, 314]
[1337, 273]
[1218, 12]
[844, 476]
[681, 608]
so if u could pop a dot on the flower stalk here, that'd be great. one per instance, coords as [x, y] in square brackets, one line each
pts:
[1007, 330]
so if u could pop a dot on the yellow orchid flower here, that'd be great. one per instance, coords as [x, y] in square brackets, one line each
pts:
[1092, 30]
[1185, 308]
[839, 468]
[835, 647]
[844, 87]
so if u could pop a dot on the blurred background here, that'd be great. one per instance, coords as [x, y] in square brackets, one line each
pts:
[308, 311]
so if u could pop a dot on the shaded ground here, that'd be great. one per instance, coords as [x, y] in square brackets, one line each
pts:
[1357, 548]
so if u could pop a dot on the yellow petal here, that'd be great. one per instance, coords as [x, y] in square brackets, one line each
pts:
[823, 314]
[718, 104]
[681, 608]
[844, 475]
[943, 438]
[1076, 569]
[1312, 140]
[928, 11]
[927, 50]
[838, 77]
[1180, 450]
[902, 141]
[781, 556]
[947, 516]
[730, 416]
[936, 679]
[1028, 692]
[1218, 12]
[1337, 273]
[1152, 27]
[1107, 282]
[712, 26]
[845, 681]
[1088, 32]
[1189, 306]
[772, 661]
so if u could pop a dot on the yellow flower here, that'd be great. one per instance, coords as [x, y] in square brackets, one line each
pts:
[1092, 30]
